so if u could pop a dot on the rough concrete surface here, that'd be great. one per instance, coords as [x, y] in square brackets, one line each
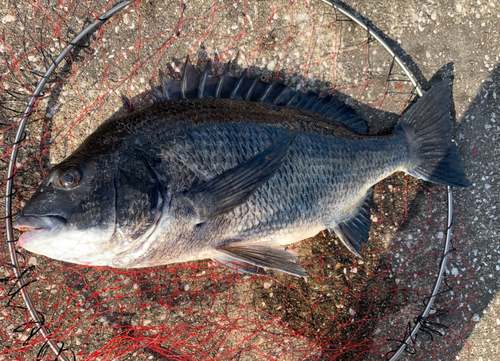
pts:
[466, 33]
[456, 38]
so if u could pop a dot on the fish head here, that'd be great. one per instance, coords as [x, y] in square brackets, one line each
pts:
[91, 209]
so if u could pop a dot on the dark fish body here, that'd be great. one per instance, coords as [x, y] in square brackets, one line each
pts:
[228, 179]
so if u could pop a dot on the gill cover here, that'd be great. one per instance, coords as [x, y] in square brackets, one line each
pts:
[140, 193]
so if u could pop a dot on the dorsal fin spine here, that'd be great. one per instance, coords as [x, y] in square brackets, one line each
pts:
[238, 85]
[184, 79]
[249, 92]
[269, 88]
[203, 81]
[276, 100]
[163, 79]
[292, 99]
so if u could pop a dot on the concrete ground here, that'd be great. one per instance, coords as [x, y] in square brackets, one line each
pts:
[466, 33]
[460, 35]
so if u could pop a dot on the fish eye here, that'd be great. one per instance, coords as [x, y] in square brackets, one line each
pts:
[69, 178]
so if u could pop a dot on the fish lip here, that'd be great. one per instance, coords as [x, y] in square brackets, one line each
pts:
[34, 223]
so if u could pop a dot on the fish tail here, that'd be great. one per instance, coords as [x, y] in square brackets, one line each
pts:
[426, 128]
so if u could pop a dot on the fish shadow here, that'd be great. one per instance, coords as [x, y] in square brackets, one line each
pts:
[477, 135]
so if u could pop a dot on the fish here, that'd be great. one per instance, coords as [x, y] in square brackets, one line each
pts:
[231, 169]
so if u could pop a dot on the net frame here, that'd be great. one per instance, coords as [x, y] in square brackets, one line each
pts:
[10, 239]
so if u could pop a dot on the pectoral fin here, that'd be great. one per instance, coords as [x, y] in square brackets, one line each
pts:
[262, 256]
[235, 186]
[355, 230]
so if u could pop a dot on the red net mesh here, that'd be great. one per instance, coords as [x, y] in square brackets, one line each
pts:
[348, 308]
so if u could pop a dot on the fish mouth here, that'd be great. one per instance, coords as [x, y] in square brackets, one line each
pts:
[35, 226]
[35, 223]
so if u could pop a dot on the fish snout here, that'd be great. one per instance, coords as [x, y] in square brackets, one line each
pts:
[32, 223]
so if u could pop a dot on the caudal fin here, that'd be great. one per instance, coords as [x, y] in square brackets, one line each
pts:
[426, 128]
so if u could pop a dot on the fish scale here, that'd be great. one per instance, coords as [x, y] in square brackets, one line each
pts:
[230, 179]
[316, 181]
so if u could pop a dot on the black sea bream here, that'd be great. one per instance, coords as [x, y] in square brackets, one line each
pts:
[230, 169]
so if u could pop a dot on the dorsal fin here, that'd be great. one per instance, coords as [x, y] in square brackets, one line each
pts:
[197, 85]
[343, 113]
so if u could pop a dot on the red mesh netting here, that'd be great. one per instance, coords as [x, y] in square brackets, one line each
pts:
[348, 308]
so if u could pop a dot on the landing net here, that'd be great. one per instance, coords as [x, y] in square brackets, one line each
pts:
[348, 308]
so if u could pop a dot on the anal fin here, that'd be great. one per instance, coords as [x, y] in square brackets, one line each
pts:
[262, 256]
[355, 230]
